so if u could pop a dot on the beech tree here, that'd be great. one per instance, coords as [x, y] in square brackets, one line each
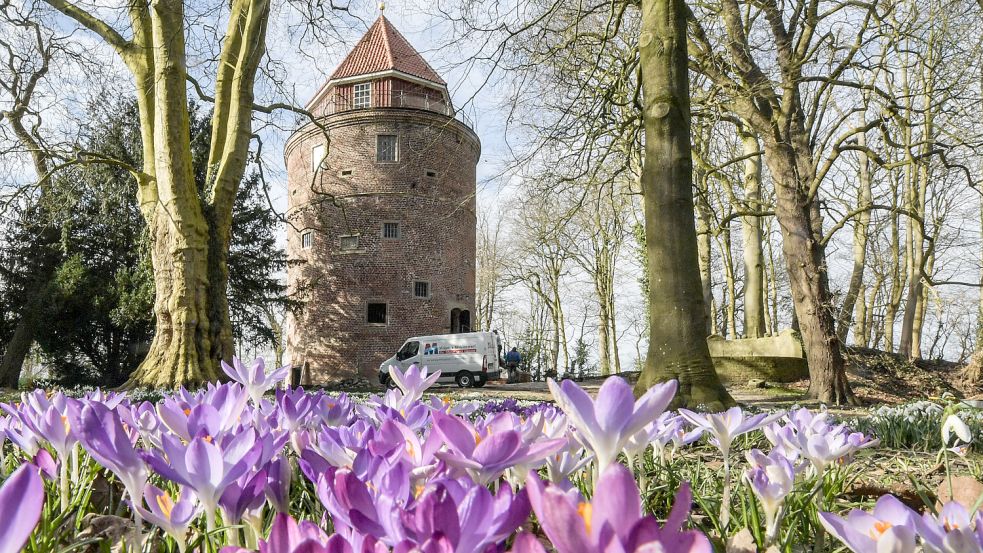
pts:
[677, 318]
[189, 231]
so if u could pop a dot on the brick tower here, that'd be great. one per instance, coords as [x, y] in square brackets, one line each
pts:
[381, 210]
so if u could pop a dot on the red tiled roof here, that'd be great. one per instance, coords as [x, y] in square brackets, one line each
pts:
[383, 48]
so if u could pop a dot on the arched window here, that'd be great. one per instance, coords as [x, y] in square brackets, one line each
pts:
[455, 320]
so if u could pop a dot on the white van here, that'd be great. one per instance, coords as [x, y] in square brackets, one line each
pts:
[470, 359]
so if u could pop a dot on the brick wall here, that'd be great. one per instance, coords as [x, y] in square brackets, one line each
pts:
[436, 216]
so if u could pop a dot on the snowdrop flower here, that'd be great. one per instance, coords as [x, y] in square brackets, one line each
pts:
[954, 427]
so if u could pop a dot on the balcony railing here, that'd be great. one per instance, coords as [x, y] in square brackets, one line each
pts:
[400, 99]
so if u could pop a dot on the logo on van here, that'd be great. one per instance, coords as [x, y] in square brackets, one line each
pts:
[434, 349]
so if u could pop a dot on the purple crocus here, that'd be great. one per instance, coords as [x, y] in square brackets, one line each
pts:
[205, 466]
[104, 437]
[172, 516]
[771, 479]
[21, 501]
[611, 521]
[954, 530]
[608, 422]
[254, 377]
[725, 427]
[413, 382]
[889, 527]
[487, 455]
[463, 517]
[286, 536]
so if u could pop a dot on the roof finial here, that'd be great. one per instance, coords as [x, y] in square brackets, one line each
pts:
[382, 7]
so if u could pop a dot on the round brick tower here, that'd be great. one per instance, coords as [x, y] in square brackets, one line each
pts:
[381, 211]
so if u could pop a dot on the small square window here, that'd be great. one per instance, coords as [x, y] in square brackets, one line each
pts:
[307, 239]
[363, 95]
[390, 230]
[431, 173]
[386, 148]
[317, 156]
[346, 173]
[421, 289]
[349, 243]
[375, 313]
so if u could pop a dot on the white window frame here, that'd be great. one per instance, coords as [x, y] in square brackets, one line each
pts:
[341, 242]
[317, 156]
[395, 158]
[307, 239]
[362, 95]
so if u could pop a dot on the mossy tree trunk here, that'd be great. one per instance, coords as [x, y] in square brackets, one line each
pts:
[677, 319]
[190, 230]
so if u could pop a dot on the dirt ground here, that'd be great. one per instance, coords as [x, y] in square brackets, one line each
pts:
[877, 378]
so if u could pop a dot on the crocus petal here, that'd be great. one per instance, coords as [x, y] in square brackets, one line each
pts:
[21, 500]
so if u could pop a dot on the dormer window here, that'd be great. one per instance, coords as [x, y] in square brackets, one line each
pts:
[363, 95]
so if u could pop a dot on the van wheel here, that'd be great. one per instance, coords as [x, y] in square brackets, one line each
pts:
[480, 383]
[389, 384]
[464, 379]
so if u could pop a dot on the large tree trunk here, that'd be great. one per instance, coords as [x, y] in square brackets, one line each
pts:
[801, 229]
[677, 318]
[754, 268]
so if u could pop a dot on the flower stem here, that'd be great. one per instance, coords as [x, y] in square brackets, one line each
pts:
[63, 484]
[725, 499]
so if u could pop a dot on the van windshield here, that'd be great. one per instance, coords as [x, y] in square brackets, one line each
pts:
[409, 349]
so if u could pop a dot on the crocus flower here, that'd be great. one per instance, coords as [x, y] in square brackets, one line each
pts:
[21, 500]
[771, 479]
[413, 382]
[205, 466]
[102, 434]
[462, 516]
[172, 516]
[254, 378]
[485, 456]
[724, 427]
[889, 527]
[611, 521]
[608, 422]
[286, 536]
[952, 531]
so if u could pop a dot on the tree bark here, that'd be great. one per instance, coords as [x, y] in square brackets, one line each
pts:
[861, 230]
[801, 228]
[754, 277]
[677, 329]
[190, 231]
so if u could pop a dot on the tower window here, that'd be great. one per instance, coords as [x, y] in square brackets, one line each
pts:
[390, 230]
[349, 243]
[306, 239]
[345, 173]
[317, 156]
[386, 148]
[375, 313]
[421, 289]
[363, 95]
[431, 173]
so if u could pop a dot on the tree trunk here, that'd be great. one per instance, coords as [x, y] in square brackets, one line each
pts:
[704, 254]
[801, 229]
[861, 228]
[754, 277]
[677, 329]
